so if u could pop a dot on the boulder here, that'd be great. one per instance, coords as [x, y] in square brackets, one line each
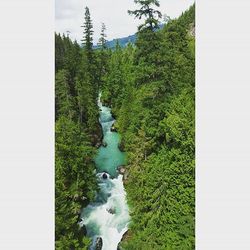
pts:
[121, 170]
[124, 238]
[98, 243]
[125, 177]
[111, 210]
[113, 128]
[121, 146]
[104, 176]
[98, 144]
[104, 144]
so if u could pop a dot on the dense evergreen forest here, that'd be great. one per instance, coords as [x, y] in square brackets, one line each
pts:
[77, 131]
[150, 86]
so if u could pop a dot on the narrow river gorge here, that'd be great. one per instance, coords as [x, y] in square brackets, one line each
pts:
[107, 218]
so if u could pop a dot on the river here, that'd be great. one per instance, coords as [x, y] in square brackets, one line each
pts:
[108, 216]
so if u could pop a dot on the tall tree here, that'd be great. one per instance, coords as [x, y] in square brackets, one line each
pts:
[87, 81]
[102, 40]
[102, 56]
[152, 15]
[147, 55]
[88, 35]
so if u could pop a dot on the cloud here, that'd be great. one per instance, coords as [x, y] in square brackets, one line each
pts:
[70, 16]
[66, 8]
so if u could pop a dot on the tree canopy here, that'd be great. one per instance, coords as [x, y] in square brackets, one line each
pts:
[150, 86]
[152, 15]
[151, 90]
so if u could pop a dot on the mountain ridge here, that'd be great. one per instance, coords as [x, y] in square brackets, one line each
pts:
[123, 41]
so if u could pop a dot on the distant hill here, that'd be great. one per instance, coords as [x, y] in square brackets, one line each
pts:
[122, 41]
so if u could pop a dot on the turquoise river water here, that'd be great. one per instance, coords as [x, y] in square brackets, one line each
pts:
[108, 217]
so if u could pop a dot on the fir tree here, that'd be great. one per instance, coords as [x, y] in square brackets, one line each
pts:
[152, 16]
[87, 83]
[88, 35]
[103, 36]
[102, 56]
[152, 97]
[148, 42]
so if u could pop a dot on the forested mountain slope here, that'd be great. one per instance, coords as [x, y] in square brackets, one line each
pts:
[77, 132]
[150, 86]
[151, 89]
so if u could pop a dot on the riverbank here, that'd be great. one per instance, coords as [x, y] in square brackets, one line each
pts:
[107, 218]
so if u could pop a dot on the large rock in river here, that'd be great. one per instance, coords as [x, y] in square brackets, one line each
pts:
[121, 146]
[104, 176]
[113, 128]
[98, 144]
[98, 243]
[111, 210]
[124, 238]
[121, 170]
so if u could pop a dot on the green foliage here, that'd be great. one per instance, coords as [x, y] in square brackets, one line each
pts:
[88, 33]
[75, 181]
[102, 57]
[102, 40]
[64, 100]
[150, 87]
[148, 12]
[153, 98]
[77, 131]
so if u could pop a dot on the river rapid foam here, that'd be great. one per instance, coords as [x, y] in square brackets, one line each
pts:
[108, 216]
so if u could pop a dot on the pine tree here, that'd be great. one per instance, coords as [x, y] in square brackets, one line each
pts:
[152, 16]
[86, 84]
[102, 40]
[147, 56]
[102, 57]
[88, 35]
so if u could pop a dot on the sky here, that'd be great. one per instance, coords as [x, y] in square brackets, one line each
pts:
[69, 16]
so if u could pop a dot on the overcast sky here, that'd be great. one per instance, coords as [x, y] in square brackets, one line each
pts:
[70, 16]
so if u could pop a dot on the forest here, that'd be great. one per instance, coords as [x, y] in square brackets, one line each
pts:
[150, 86]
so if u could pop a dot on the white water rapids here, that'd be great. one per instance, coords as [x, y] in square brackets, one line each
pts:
[108, 217]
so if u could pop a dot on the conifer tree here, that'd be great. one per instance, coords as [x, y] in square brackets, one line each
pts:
[87, 80]
[102, 56]
[102, 40]
[147, 55]
[152, 16]
[88, 35]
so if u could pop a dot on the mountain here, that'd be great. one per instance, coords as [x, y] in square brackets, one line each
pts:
[122, 41]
